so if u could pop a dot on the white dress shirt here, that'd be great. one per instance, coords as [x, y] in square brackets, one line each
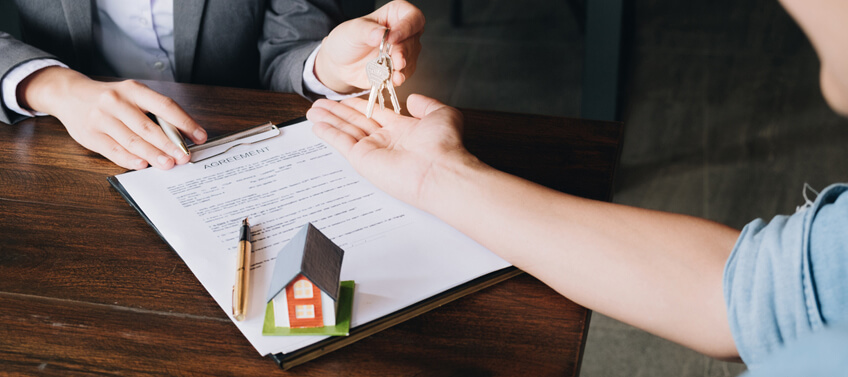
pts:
[136, 38]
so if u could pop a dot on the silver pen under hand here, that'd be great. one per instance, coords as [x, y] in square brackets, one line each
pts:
[173, 133]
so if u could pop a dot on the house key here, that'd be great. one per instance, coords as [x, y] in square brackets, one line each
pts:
[379, 72]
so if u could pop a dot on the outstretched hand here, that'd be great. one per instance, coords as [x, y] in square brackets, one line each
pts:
[340, 63]
[401, 155]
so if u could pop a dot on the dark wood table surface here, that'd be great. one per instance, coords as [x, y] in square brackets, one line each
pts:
[88, 288]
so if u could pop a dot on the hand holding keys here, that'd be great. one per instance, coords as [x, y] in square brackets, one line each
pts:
[379, 73]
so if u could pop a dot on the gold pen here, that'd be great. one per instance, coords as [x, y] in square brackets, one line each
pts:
[240, 289]
[172, 134]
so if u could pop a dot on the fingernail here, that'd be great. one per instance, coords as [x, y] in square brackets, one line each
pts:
[177, 153]
[200, 134]
[163, 160]
[139, 164]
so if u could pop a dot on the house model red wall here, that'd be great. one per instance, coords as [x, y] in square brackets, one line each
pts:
[303, 304]
[305, 284]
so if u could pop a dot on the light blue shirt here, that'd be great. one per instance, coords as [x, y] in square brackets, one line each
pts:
[787, 280]
[824, 353]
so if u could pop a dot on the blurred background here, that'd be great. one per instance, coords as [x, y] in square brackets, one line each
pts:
[720, 100]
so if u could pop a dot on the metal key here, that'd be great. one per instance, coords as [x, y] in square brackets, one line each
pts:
[388, 84]
[379, 72]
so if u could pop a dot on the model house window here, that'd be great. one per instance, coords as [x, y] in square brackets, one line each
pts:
[303, 289]
[304, 311]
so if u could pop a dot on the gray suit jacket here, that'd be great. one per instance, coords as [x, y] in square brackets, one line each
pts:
[242, 43]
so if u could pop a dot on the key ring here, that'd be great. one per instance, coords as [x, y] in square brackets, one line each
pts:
[383, 44]
[385, 47]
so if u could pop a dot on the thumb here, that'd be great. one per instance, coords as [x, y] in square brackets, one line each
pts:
[403, 18]
[420, 106]
[359, 32]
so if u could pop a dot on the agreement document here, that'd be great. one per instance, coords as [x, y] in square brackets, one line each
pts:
[396, 254]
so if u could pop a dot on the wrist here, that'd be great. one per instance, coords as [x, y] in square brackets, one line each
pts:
[449, 181]
[40, 90]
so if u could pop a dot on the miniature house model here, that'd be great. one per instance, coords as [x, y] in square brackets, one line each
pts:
[305, 285]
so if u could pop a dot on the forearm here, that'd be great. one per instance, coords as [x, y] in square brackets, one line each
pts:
[657, 271]
[661, 272]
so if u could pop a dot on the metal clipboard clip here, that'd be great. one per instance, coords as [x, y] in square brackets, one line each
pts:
[224, 144]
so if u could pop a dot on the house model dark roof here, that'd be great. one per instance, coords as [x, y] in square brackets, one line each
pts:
[312, 254]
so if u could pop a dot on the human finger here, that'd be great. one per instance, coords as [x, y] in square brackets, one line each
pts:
[348, 114]
[405, 52]
[322, 115]
[165, 107]
[420, 106]
[405, 59]
[361, 33]
[384, 117]
[135, 144]
[337, 139]
[366, 31]
[139, 123]
[109, 148]
[403, 18]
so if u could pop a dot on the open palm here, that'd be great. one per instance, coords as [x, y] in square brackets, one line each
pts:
[401, 155]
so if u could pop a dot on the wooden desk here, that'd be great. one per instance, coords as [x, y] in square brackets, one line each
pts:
[87, 287]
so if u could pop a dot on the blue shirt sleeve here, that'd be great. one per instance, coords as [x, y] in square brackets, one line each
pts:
[824, 353]
[788, 278]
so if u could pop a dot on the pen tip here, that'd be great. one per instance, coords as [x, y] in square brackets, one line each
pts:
[244, 222]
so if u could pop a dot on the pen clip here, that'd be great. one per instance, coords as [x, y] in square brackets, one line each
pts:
[222, 145]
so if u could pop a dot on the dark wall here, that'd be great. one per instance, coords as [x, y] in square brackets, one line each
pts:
[9, 18]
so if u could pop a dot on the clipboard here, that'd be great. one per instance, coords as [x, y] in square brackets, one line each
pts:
[225, 144]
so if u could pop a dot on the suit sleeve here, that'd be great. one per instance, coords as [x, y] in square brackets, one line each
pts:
[291, 31]
[12, 54]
